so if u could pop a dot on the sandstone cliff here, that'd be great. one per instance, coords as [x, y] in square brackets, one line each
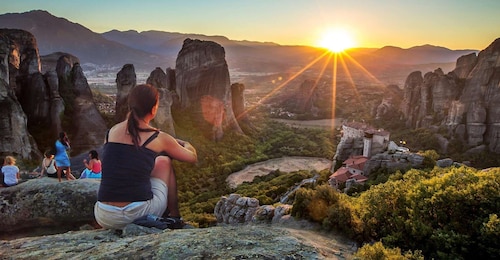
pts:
[18, 58]
[37, 104]
[203, 86]
[163, 119]
[126, 80]
[465, 101]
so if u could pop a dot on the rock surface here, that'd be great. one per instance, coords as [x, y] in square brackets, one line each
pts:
[466, 101]
[87, 125]
[45, 202]
[18, 57]
[126, 80]
[203, 86]
[163, 119]
[223, 242]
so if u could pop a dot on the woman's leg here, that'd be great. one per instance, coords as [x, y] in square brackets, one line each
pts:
[69, 176]
[164, 171]
[59, 173]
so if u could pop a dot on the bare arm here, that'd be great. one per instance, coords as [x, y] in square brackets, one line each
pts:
[177, 149]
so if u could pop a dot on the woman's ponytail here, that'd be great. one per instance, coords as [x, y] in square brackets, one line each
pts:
[141, 100]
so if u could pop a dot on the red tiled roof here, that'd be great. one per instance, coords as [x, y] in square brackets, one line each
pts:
[359, 177]
[341, 175]
[356, 162]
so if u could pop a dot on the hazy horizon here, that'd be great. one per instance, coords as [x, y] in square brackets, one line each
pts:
[454, 24]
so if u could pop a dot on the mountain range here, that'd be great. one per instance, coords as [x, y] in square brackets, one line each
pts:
[150, 49]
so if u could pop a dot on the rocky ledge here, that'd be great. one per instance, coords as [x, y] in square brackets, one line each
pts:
[222, 242]
[245, 231]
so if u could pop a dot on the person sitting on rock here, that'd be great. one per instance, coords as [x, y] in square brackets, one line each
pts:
[138, 178]
[49, 166]
[92, 167]
[10, 171]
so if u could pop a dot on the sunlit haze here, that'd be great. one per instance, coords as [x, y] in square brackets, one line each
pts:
[337, 40]
[455, 24]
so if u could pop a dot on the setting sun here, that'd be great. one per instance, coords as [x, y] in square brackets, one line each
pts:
[336, 40]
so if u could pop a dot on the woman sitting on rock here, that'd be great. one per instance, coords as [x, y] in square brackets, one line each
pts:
[92, 167]
[49, 166]
[137, 174]
[10, 171]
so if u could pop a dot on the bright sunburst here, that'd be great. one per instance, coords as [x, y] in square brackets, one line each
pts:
[336, 40]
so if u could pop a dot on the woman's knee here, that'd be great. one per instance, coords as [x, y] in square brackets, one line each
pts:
[163, 162]
[163, 167]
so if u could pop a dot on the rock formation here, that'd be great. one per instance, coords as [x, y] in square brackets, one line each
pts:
[426, 99]
[44, 202]
[306, 98]
[163, 119]
[235, 209]
[88, 126]
[238, 101]
[393, 161]
[465, 101]
[125, 80]
[44, 98]
[203, 86]
[390, 104]
[18, 58]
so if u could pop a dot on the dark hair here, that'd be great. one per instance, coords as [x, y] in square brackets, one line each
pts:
[94, 154]
[141, 100]
[63, 138]
[47, 153]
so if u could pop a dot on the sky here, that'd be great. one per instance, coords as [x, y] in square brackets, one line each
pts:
[454, 24]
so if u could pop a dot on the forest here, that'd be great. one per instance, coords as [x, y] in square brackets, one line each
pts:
[441, 213]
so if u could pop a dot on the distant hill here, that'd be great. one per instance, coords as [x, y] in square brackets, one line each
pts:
[56, 34]
[418, 54]
[150, 49]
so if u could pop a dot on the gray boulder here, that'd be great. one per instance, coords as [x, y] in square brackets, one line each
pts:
[45, 202]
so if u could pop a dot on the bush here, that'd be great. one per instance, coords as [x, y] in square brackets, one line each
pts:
[378, 251]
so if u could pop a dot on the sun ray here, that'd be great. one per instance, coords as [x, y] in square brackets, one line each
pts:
[282, 85]
[364, 69]
[320, 74]
[349, 76]
[334, 89]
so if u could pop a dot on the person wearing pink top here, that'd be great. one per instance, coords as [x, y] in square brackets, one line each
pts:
[92, 167]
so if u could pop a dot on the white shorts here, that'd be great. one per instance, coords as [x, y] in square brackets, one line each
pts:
[113, 217]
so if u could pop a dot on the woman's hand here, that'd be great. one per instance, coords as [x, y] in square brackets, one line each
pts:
[181, 142]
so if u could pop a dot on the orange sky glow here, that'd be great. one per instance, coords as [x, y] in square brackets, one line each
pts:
[455, 24]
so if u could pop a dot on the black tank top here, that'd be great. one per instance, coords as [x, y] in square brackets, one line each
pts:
[126, 171]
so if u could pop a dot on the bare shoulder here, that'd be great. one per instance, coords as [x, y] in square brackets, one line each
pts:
[164, 137]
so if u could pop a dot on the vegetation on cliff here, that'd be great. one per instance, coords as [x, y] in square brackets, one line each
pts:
[447, 213]
[202, 185]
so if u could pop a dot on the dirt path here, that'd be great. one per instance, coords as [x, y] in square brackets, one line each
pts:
[284, 164]
[323, 123]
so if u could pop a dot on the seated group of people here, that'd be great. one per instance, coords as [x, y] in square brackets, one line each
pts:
[92, 166]
[139, 184]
